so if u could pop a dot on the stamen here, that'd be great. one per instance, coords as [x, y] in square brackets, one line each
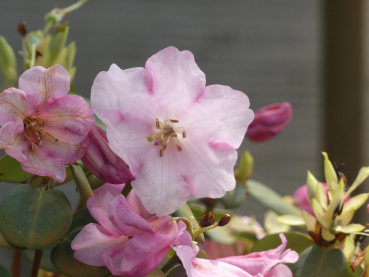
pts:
[174, 135]
[158, 142]
[56, 139]
[165, 146]
[31, 146]
[174, 121]
[161, 152]
[157, 124]
[184, 134]
[179, 148]
[38, 111]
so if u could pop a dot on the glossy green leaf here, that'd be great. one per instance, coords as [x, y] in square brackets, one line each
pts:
[34, 219]
[185, 211]
[270, 199]
[4, 272]
[11, 171]
[81, 219]
[46, 263]
[296, 241]
[314, 261]
[63, 260]
[6, 244]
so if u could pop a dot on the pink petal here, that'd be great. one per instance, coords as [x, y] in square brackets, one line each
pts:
[177, 81]
[145, 251]
[206, 268]
[13, 106]
[130, 218]
[220, 115]
[136, 204]
[112, 188]
[93, 242]
[98, 205]
[15, 148]
[155, 181]
[42, 85]
[280, 270]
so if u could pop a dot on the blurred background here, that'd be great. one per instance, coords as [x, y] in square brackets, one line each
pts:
[309, 53]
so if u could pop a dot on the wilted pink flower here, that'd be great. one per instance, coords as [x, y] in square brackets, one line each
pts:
[301, 200]
[267, 263]
[178, 136]
[102, 161]
[263, 262]
[197, 267]
[126, 239]
[41, 126]
[269, 122]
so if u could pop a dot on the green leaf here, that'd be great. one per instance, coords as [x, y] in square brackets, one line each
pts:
[314, 261]
[4, 272]
[185, 211]
[296, 241]
[81, 219]
[234, 198]
[63, 260]
[46, 263]
[82, 183]
[270, 199]
[11, 171]
[34, 219]
[6, 244]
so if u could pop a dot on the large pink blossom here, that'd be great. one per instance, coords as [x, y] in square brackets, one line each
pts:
[260, 264]
[41, 126]
[177, 135]
[127, 239]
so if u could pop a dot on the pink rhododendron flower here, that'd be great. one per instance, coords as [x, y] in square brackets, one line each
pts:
[41, 126]
[177, 135]
[269, 121]
[102, 161]
[263, 262]
[260, 264]
[301, 198]
[126, 239]
[197, 267]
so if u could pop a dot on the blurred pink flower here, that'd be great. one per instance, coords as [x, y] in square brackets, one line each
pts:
[264, 262]
[126, 239]
[41, 126]
[178, 136]
[269, 122]
[102, 161]
[301, 198]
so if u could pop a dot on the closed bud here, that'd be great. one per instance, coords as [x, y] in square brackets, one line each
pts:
[269, 122]
[22, 28]
[245, 167]
[224, 220]
[207, 220]
[234, 198]
[102, 161]
[57, 43]
[330, 174]
[8, 62]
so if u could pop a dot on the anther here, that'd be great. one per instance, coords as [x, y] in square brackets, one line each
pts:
[157, 124]
[38, 111]
[164, 146]
[174, 121]
[31, 146]
[157, 143]
[174, 135]
[184, 134]
[56, 139]
[179, 147]
[161, 152]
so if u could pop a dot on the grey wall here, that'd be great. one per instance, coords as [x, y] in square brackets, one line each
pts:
[268, 49]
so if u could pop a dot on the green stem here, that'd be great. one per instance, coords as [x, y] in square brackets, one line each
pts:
[33, 55]
[84, 188]
[74, 6]
[188, 224]
[36, 262]
[47, 28]
[202, 230]
[173, 262]
[127, 189]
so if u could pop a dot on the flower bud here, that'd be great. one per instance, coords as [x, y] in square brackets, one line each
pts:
[245, 168]
[69, 59]
[269, 122]
[102, 161]
[8, 62]
[57, 43]
[234, 198]
[224, 220]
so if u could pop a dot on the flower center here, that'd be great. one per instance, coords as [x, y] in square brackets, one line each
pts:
[33, 132]
[166, 132]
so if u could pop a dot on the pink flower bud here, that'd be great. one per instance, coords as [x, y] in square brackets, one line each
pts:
[103, 162]
[269, 122]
